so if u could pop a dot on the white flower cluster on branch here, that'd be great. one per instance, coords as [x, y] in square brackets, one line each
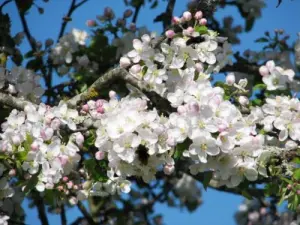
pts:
[97, 148]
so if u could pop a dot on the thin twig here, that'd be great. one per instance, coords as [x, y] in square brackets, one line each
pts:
[72, 8]
[86, 214]
[4, 3]
[39, 202]
[136, 13]
[26, 29]
[63, 217]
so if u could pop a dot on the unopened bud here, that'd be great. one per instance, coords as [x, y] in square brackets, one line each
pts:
[264, 71]
[124, 62]
[170, 34]
[112, 95]
[127, 13]
[198, 15]
[91, 23]
[243, 100]
[230, 79]
[176, 20]
[100, 155]
[203, 21]
[187, 16]
[169, 169]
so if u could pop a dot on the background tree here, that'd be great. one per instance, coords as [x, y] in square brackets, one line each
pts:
[74, 168]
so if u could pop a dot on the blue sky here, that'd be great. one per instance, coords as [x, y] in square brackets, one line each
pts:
[218, 208]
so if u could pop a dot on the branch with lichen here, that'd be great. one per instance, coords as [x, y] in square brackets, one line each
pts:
[13, 102]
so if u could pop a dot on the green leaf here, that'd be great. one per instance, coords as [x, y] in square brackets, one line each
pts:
[296, 174]
[201, 29]
[31, 184]
[3, 156]
[259, 87]
[262, 40]
[97, 169]
[181, 147]
[207, 178]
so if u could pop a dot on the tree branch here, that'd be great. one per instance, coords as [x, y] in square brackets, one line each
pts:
[63, 217]
[14, 102]
[26, 29]
[4, 3]
[39, 202]
[86, 214]
[72, 8]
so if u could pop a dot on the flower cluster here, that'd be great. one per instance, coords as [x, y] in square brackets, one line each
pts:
[21, 81]
[33, 139]
[275, 77]
[68, 44]
[163, 68]
[213, 130]
[132, 138]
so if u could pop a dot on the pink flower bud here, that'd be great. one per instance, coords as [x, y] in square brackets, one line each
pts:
[85, 108]
[170, 34]
[34, 146]
[169, 169]
[16, 139]
[112, 95]
[230, 79]
[127, 13]
[198, 15]
[135, 69]
[99, 103]
[100, 110]
[12, 172]
[91, 23]
[79, 139]
[124, 62]
[264, 71]
[176, 20]
[70, 184]
[298, 192]
[187, 16]
[100, 155]
[60, 188]
[203, 21]
[243, 100]
[65, 179]
[199, 67]
[289, 186]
